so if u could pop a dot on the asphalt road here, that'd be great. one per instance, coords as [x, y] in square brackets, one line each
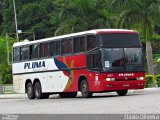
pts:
[103, 103]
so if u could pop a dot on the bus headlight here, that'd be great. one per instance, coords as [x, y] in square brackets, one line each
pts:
[140, 78]
[110, 79]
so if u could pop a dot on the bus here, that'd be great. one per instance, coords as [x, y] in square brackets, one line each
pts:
[102, 60]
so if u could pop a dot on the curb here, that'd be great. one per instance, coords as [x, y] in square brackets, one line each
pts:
[145, 91]
[12, 96]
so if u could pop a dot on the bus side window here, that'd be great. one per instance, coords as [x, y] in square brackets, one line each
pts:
[90, 61]
[94, 61]
[58, 48]
[52, 48]
[55, 48]
[82, 44]
[79, 44]
[16, 54]
[67, 46]
[35, 51]
[44, 50]
[76, 45]
[91, 42]
[24, 53]
[30, 52]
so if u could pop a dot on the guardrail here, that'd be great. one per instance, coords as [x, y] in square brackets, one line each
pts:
[5, 88]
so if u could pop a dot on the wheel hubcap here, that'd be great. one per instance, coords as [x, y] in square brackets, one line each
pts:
[29, 91]
[37, 91]
[84, 89]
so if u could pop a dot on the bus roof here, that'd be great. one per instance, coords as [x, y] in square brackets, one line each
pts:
[97, 31]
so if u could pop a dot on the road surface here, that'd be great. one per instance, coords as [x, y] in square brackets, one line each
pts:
[101, 103]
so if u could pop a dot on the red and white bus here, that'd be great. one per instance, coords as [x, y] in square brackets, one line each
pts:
[102, 60]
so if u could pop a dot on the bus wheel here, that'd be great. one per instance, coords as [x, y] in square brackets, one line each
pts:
[30, 91]
[122, 92]
[85, 89]
[38, 90]
[68, 94]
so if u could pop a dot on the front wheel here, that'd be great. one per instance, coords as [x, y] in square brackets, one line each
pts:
[122, 92]
[84, 87]
[30, 91]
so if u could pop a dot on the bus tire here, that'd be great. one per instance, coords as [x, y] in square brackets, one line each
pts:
[30, 91]
[84, 87]
[122, 92]
[38, 91]
[68, 94]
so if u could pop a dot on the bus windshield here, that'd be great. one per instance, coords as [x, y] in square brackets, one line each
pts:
[118, 40]
[122, 59]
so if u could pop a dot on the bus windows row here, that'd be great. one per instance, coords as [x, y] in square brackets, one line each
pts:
[47, 49]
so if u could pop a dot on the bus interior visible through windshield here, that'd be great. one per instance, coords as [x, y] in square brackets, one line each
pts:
[125, 59]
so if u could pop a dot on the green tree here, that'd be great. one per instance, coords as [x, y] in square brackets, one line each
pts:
[1, 17]
[5, 69]
[80, 15]
[32, 16]
[138, 14]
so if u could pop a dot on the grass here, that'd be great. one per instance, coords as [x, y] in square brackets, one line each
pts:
[7, 84]
[8, 91]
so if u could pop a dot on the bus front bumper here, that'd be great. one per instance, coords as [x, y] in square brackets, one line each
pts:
[123, 85]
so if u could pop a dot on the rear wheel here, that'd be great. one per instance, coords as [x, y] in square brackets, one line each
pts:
[30, 91]
[122, 92]
[38, 92]
[84, 87]
[68, 94]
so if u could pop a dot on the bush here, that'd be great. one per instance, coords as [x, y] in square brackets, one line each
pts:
[149, 80]
[157, 78]
[7, 79]
[5, 73]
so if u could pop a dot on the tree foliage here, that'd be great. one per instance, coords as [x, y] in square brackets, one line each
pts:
[32, 16]
[1, 17]
[142, 15]
[48, 18]
[5, 69]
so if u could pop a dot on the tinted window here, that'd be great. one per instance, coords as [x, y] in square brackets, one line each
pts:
[24, 53]
[94, 61]
[34, 51]
[91, 42]
[44, 50]
[79, 44]
[122, 59]
[16, 54]
[113, 57]
[55, 48]
[58, 50]
[66, 46]
[133, 55]
[120, 40]
[90, 61]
